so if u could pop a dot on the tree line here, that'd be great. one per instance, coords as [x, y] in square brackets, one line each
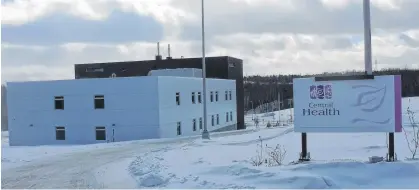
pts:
[264, 89]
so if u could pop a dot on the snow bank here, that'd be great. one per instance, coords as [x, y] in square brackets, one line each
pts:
[339, 161]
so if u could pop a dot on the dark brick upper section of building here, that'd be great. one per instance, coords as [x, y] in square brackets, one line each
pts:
[223, 67]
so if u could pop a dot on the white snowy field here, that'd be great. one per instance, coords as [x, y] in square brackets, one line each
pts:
[14, 156]
[338, 161]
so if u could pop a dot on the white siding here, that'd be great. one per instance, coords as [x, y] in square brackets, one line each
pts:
[170, 113]
[135, 108]
[130, 104]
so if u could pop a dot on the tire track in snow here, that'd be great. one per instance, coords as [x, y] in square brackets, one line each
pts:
[70, 171]
[76, 170]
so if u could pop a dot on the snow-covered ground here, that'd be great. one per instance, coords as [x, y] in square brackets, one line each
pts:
[338, 161]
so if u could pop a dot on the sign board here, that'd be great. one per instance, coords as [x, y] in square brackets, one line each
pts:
[337, 106]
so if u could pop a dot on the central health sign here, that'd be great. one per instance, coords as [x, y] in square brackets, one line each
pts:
[372, 105]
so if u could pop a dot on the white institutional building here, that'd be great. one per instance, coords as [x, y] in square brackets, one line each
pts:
[85, 111]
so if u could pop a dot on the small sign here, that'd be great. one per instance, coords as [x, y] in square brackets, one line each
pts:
[372, 105]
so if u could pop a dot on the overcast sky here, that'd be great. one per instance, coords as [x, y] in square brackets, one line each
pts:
[42, 39]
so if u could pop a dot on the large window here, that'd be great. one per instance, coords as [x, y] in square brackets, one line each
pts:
[193, 98]
[226, 95]
[60, 133]
[212, 96]
[194, 125]
[199, 97]
[100, 133]
[59, 102]
[218, 119]
[212, 120]
[216, 96]
[177, 98]
[200, 123]
[229, 94]
[99, 102]
[179, 128]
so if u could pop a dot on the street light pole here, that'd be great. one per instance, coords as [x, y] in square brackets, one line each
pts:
[367, 38]
[368, 66]
[253, 110]
[205, 133]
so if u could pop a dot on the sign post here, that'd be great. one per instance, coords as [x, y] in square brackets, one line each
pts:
[347, 104]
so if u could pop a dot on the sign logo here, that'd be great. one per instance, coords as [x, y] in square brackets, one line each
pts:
[321, 92]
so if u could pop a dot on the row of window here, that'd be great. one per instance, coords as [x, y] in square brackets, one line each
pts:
[100, 133]
[194, 94]
[215, 120]
[99, 102]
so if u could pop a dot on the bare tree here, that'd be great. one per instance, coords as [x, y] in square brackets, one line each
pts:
[413, 140]
[276, 155]
[258, 159]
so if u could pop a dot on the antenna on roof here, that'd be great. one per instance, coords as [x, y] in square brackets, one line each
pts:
[168, 51]
[158, 56]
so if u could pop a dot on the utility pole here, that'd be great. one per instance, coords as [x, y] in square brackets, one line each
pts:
[279, 107]
[367, 38]
[368, 66]
[205, 133]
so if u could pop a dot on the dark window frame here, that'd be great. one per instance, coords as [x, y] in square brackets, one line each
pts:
[179, 128]
[227, 117]
[194, 124]
[98, 133]
[99, 101]
[199, 97]
[59, 102]
[178, 98]
[60, 133]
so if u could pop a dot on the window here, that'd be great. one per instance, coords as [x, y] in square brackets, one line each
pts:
[177, 98]
[59, 102]
[99, 102]
[216, 96]
[231, 116]
[226, 98]
[226, 116]
[212, 120]
[218, 119]
[229, 94]
[100, 133]
[193, 97]
[212, 96]
[199, 97]
[179, 129]
[200, 123]
[59, 133]
[194, 124]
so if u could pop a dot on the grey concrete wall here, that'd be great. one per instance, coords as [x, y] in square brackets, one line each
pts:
[227, 128]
